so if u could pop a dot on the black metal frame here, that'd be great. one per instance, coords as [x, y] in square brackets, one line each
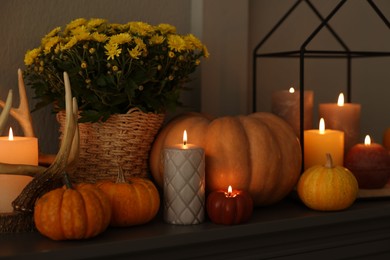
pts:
[303, 53]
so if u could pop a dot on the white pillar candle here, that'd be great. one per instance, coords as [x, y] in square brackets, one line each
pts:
[286, 104]
[15, 150]
[344, 117]
[184, 184]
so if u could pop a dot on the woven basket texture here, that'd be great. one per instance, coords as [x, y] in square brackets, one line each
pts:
[124, 140]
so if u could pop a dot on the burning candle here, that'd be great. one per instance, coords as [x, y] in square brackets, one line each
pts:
[344, 117]
[370, 163]
[229, 207]
[320, 142]
[184, 183]
[15, 150]
[286, 104]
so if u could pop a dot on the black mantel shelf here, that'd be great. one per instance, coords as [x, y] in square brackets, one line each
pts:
[287, 230]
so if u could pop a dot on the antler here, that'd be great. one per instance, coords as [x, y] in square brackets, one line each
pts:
[23, 116]
[51, 177]
[6, 108]
[22, 113]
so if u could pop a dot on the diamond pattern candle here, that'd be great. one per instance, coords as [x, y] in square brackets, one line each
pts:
[184, 184]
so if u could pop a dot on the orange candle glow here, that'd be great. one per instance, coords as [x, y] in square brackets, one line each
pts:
[319, 142]
[15, 150]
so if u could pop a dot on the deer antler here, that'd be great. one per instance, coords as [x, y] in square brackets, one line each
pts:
[23, 116]
[6, 108]
[22, 113]
[51, 177]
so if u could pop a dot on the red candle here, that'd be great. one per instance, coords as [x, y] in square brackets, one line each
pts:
[370, 163]
[229, 207]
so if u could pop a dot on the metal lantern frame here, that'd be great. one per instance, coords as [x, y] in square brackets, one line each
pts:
[303, 53]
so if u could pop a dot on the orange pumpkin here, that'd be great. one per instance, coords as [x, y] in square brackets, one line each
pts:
[259, 153]
[72, 212]
[134, 201]
[327, 187]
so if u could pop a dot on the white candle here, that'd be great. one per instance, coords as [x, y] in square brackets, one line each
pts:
[15, 150]
[184, 183]
[286, 104]
[344, 117]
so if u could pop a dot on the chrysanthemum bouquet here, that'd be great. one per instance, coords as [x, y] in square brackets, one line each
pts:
[113, 67]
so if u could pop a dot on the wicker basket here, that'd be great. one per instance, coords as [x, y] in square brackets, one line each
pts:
[123, 140]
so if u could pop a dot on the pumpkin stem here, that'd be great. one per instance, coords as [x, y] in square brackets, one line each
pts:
[329, 161]
[67, 181]
[121, 176]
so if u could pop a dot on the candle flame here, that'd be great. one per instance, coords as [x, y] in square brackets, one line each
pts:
[11, 134]
[230, 190]
[367, 140]
[322, 126]
[291, 90]
[340, 101]
[185, 138]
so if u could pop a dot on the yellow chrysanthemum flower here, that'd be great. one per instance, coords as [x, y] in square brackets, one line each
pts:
[140, 43]
[156, 39]
[95, 22]
[98, 37]
[140, 28]
[135, 52]
[50, 43]
[51, 34]
[120, 38]
[176, 43]
[69, 44]
[31, 55]
[81, 33]
[112, 51]
[192, 42]
[166, 28]
[75, 23]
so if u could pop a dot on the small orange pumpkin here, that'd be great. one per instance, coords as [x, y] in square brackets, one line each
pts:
[134, 201]
[327, 187]
[78, 211]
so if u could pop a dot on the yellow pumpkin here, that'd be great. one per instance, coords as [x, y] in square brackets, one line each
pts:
[258, 153]
[327, 187]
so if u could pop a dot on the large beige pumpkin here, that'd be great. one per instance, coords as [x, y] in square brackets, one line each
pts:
[259, 153]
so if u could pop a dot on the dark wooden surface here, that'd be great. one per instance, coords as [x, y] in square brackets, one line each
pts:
[287, 230]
